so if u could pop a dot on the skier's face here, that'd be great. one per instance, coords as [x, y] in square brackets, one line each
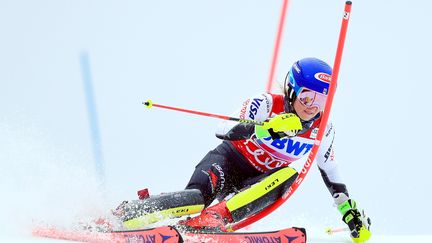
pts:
[305, 112]
[311, 98]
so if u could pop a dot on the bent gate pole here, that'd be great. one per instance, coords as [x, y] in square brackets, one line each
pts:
[276, 48]
[322, 128]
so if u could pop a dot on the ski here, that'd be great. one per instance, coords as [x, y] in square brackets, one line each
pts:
[288, 235]
[168, 234]
[164, 234]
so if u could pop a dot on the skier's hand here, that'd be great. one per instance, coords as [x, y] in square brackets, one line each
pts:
[288, 123]
[358, 223]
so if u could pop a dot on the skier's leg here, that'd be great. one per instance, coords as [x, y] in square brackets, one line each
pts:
[262, 192]
[139, 213]
[208, 179]
[259, 193]
[213, 176]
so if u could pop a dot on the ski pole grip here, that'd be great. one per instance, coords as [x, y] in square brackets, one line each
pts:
[148, 104]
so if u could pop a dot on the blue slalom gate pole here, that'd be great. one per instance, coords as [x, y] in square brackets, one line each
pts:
[92, 116]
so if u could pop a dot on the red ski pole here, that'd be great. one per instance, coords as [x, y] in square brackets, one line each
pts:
[150, 104]
[322, 128]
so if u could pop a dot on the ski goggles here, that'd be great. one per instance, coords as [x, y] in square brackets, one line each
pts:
[310, 98]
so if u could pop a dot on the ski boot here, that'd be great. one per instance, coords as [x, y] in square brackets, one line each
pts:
[358, 223]
[212, 219]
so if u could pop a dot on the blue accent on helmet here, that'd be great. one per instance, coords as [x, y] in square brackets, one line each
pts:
[311, 73]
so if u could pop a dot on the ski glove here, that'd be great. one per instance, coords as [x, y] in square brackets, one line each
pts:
[358, 223]
[286, 124]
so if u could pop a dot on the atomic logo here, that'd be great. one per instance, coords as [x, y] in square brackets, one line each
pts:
[290, 239]
[165, 237]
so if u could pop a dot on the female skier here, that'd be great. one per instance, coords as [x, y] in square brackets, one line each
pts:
[250, 169]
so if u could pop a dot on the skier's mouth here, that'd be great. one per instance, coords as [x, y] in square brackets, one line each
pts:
[309, 112]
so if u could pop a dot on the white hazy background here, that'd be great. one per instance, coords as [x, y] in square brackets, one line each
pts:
[209, 56]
